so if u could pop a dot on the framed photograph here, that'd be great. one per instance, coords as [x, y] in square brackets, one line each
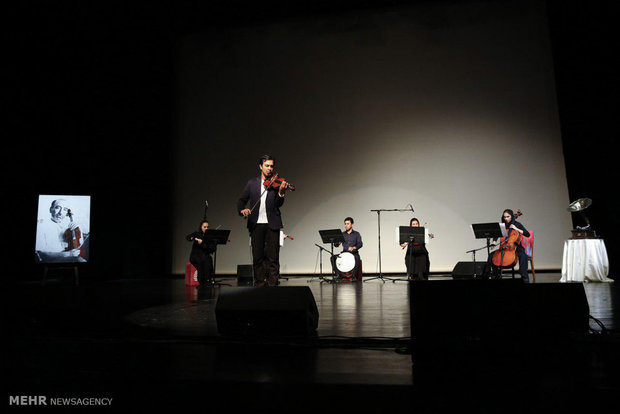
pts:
[63, 229]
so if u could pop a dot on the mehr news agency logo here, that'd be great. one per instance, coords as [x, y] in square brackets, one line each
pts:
[42, 400]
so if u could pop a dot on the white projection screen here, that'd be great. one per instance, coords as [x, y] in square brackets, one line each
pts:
[448, 107]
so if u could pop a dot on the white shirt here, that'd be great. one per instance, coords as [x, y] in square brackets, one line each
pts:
[262, 210]
[51, 236]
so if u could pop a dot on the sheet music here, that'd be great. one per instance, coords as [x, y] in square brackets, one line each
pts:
[427, 238]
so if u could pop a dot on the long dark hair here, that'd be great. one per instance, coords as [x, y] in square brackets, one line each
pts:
[512, 216]
[412, 220]
[201, 223]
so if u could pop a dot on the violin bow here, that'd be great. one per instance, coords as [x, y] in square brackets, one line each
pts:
[275, 175]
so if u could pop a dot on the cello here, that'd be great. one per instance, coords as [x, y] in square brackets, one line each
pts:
[506, 254]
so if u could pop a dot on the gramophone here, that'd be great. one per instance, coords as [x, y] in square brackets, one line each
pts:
[586, 231]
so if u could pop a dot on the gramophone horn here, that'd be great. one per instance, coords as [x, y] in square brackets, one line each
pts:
[579, 205]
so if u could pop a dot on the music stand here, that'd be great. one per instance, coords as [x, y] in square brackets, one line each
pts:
[331, 236]
[487, 231]
[409, 234]
[217, 237]
[321, 249]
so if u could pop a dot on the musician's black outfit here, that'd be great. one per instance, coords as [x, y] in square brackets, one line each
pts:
[264, 224]
[200, 256]
[494, 272]
[350, 240]
[417, 261]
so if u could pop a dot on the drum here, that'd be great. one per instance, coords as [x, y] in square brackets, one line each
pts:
[345, 263]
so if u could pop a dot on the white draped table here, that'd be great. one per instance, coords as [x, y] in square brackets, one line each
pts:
[585, 260]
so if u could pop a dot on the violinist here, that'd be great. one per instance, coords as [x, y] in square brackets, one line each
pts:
[51, 239]
[417, 260]
[200, 256]
[508, 218]
[260, 205]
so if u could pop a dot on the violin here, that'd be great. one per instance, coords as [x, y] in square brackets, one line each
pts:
[506, 254]
[275, 181]
[72, 237]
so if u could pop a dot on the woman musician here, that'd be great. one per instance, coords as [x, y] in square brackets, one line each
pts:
[509, 219]
[416, 259]
[200, 256]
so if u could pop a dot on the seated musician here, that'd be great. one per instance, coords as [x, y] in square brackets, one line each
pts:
[416, 260]
[352, 244]
[508, 218]
[200, 256]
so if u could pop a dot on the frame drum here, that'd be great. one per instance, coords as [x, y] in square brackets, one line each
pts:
[345, 263]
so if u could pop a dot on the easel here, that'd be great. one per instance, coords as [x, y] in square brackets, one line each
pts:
[63, 266]
[409, 234]
[486, 231]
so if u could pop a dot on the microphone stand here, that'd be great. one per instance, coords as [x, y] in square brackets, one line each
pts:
[473, 252]
[378, 211]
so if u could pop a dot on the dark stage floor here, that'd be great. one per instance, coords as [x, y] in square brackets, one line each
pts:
[154, 343]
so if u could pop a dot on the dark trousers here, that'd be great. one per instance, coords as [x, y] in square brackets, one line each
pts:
[495, 272]
[353, 272]
[418, 266]
[265, 255]
[204, 266]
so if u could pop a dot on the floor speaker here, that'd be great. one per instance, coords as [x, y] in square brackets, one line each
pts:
[493, 316]
[245, 275]
[287, 310]
[465, 270]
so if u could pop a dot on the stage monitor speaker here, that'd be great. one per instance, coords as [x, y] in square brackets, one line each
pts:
[491, 316]
[465, 270]
[245, 275]
[287, 310]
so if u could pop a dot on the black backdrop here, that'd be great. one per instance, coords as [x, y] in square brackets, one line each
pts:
[91, 103]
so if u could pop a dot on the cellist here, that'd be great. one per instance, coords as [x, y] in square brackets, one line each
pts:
[508, 218]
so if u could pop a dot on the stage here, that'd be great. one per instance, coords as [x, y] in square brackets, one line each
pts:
[154, 343]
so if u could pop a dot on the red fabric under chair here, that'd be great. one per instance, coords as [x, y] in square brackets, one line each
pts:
[191, 275]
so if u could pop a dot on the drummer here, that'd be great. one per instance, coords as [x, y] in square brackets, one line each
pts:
[352, 244]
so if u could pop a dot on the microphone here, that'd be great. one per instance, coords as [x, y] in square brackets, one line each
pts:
[411, 207]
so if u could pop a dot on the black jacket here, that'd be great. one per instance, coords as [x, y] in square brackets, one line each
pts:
[251, 194]
[200, 249]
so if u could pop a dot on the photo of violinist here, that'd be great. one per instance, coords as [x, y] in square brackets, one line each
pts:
[200, 256]
[416, 259]
[62, 229]
[514, 232]
[260, 204]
